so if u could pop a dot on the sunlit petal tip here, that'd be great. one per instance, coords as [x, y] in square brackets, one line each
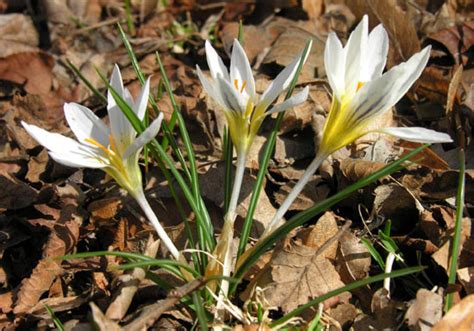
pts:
[215, 63]
[418, 134]
[240, 69]
[142, 100]
[281, 82]
[145, 137]
[295, 100]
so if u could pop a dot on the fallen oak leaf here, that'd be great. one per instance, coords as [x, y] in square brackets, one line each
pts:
[298, 273]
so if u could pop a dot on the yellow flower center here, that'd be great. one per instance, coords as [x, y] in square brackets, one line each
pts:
[111, 153]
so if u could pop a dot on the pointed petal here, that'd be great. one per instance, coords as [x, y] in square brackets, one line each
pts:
[211, 88]
[116, 83]
[354, 51]
[120, 127]
[241, 71]
[139, 107]
[214, 61]
[291, 102]
[282, 81]
[85, 124]
[417, 134]
[381, 94]
[375, 57]
[145, 137]
[65, 150]
[334, 62]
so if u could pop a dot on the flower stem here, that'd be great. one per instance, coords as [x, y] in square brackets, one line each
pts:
[294, 193]
[239, 176]
[143, 202]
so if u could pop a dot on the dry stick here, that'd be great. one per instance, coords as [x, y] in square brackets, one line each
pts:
[130, 282]
[150, 314]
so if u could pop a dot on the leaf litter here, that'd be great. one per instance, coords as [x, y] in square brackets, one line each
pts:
[49, 210]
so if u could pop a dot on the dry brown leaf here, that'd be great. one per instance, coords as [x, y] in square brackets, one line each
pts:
[102, 321]
[354, 169]
[459, 317]
[296, 274]
[314, 8]
[457, 39]
[395, 202]
[354, 255]
[317, 235]
[425, 311]
[105, 209]
[384, 314]
[18, 34]
[466, 277]
[15, 194]
[466, 252]
[63, 238]
[290, 43]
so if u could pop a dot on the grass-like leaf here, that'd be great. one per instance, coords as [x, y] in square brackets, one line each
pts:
[57, 322]
[453, 266]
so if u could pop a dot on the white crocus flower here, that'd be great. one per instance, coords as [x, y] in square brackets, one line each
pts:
[245, 110]
[234, 91]
[115, 148]
[361, 93]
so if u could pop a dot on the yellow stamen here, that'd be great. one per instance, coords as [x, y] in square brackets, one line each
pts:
[359, 85]
[113, 147]
[236, 84]
[243, 86]
[98, 145]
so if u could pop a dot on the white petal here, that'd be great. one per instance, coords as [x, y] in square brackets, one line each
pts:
[211, 88]
[375, 57]
[231, 97]
[139, 107]
[145, 137]
[283, 80]
[354, 52]
[334, 63]
[240, 70]
[85, 124]
[418, 134]
[379, 95]
[116, 83]
[77, 160]
[63, 149]
[291, 102]
[214, 61]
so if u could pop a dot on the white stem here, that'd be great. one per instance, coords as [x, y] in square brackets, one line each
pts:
[388, 268]
[143, 202]
[294, 193]
[239, 176]
[228, 233]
